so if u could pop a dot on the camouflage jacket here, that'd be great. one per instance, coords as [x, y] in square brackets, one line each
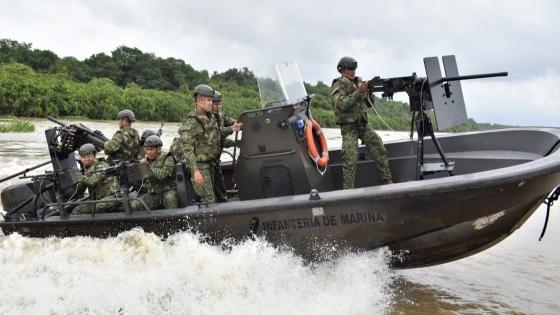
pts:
[225, 124]
[141, 153]
[349, 105]
[98, 184]
[175, 149]
[124, 145]
[199, 139]
[161, 174]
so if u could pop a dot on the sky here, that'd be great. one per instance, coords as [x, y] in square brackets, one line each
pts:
[388, 38]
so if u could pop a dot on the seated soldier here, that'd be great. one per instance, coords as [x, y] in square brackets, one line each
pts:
[158, 189]
[145, 134]
[99, 185]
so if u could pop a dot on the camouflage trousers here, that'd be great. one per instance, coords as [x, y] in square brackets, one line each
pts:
[219, 186]
[101, 207]
[167, 200]
[350, 134]
[206, 190]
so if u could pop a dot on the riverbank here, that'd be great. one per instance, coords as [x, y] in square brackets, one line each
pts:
[16, 125]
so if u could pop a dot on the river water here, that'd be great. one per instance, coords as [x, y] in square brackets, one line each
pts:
[137, 273]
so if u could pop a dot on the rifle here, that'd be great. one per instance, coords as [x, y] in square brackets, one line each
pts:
[74, 135]
[127, 173]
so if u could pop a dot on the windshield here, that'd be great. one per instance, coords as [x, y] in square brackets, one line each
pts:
[280, 84]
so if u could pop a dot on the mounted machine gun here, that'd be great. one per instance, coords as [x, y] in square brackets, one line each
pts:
[443, 95]
[25, 199]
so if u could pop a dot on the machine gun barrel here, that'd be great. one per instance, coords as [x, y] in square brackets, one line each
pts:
[24, 171]
[56, 121]
[472, 76]
[98, 140]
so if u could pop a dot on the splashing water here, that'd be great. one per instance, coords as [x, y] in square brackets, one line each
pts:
[138, 273]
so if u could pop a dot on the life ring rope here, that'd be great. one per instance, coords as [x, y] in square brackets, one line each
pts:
[321, 160]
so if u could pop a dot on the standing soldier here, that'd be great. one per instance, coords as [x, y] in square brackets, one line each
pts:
[349, 99]
[99, 186]
[158, 189]
[125, 143]
[199, 143]
[227, 127]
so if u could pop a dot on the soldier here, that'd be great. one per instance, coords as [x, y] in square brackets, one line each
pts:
[100, 186]
[125, 142]
[227, 127]
[145, 134]
[349, 99]
[199, 143]
[158, 189]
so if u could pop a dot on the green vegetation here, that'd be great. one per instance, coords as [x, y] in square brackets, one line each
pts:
[16, 125]
[472, 125]
[37, 83]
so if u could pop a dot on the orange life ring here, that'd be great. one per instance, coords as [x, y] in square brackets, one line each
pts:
[323, 159]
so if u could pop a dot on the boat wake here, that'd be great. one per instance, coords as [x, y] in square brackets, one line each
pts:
[138, 273]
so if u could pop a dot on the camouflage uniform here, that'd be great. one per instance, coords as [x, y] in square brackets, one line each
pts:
[199, 145]
[100, 187]
[158, 189]
[141, 152]
[225, 123]
[124, 145]
[175, 149]
[350, 109]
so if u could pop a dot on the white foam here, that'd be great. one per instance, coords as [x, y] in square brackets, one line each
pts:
[137, 273]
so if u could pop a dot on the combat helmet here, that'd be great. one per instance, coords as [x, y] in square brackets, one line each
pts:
[347, 63]
[87, 149]
[128, 114]
[145, 134]
[153, 141]
[203, 90]
[217, 97]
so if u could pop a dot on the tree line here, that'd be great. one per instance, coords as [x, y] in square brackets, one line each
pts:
[37, 83]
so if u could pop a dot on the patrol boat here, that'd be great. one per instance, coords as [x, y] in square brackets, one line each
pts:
[452, 197]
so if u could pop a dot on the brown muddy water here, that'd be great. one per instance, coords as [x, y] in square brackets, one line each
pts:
[138, 273]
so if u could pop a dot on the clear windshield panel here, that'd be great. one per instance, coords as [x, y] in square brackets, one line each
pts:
[280, 84]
